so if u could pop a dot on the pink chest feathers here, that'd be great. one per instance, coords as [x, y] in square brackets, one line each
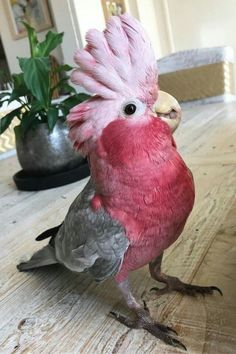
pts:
[142, 181]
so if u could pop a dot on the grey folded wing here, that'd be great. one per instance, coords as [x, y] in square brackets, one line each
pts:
[90, 240]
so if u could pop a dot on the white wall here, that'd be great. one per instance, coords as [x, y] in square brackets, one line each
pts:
[175, 25]
[147, 16]
[89, 14]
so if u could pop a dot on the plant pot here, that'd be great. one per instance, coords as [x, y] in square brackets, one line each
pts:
[41, 152]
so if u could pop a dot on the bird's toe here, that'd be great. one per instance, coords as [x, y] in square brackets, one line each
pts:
[158, 330]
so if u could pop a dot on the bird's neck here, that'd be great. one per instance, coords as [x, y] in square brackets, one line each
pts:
[129, 158]
[124, 144]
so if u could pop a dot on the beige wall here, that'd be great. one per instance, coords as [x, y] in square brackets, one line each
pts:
[202, 23]
[175, 25]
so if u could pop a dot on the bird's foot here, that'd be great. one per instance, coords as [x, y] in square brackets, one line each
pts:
[143, 320]
[174, 284]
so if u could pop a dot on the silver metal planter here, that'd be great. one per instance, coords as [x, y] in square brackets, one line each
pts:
[41, 152]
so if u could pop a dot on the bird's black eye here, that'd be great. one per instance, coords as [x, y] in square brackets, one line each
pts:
[130, 109]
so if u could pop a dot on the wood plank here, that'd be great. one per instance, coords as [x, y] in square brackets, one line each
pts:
[56, 311]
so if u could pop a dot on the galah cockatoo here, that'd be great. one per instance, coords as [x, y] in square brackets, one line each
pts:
[140, 193]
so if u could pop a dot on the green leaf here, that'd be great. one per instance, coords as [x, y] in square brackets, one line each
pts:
[7, 119]
[52, 117]
[16, 94]
[5, 122]
[27, 122]
[44, 48]
[63, 86]
[18, 80]
[72, 101]
[81, 97]
[60, 84]
[68, 88]
[19, 87]
[64, 67]
[33, 40]
[37, 78]
[36, 107]
[52, 40]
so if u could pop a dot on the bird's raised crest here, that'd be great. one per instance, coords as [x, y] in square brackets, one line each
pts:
[119, 60]
[115, 65]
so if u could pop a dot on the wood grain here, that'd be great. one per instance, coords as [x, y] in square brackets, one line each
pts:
[53, 310]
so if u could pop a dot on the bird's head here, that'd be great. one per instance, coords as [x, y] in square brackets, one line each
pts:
[118, 66]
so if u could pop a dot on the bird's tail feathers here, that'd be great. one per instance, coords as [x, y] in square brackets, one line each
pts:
[43, 257]
[48, 233]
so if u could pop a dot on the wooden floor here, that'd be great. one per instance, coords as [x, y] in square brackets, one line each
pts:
[55, 311]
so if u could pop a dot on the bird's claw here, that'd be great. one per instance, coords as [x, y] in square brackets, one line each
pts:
[165, 336]
[187, 289]
[217, 289]
[158, 330]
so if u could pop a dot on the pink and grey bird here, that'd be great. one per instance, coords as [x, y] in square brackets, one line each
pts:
[140, 193]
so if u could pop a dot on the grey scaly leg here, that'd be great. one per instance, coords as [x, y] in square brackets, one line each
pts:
[143, 319]
[175, 284]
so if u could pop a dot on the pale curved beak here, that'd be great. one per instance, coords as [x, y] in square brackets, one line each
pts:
[168, 109]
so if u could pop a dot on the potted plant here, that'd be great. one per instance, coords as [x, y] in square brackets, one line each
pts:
[42, 144]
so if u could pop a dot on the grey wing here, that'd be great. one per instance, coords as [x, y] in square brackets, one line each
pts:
[90, 240]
